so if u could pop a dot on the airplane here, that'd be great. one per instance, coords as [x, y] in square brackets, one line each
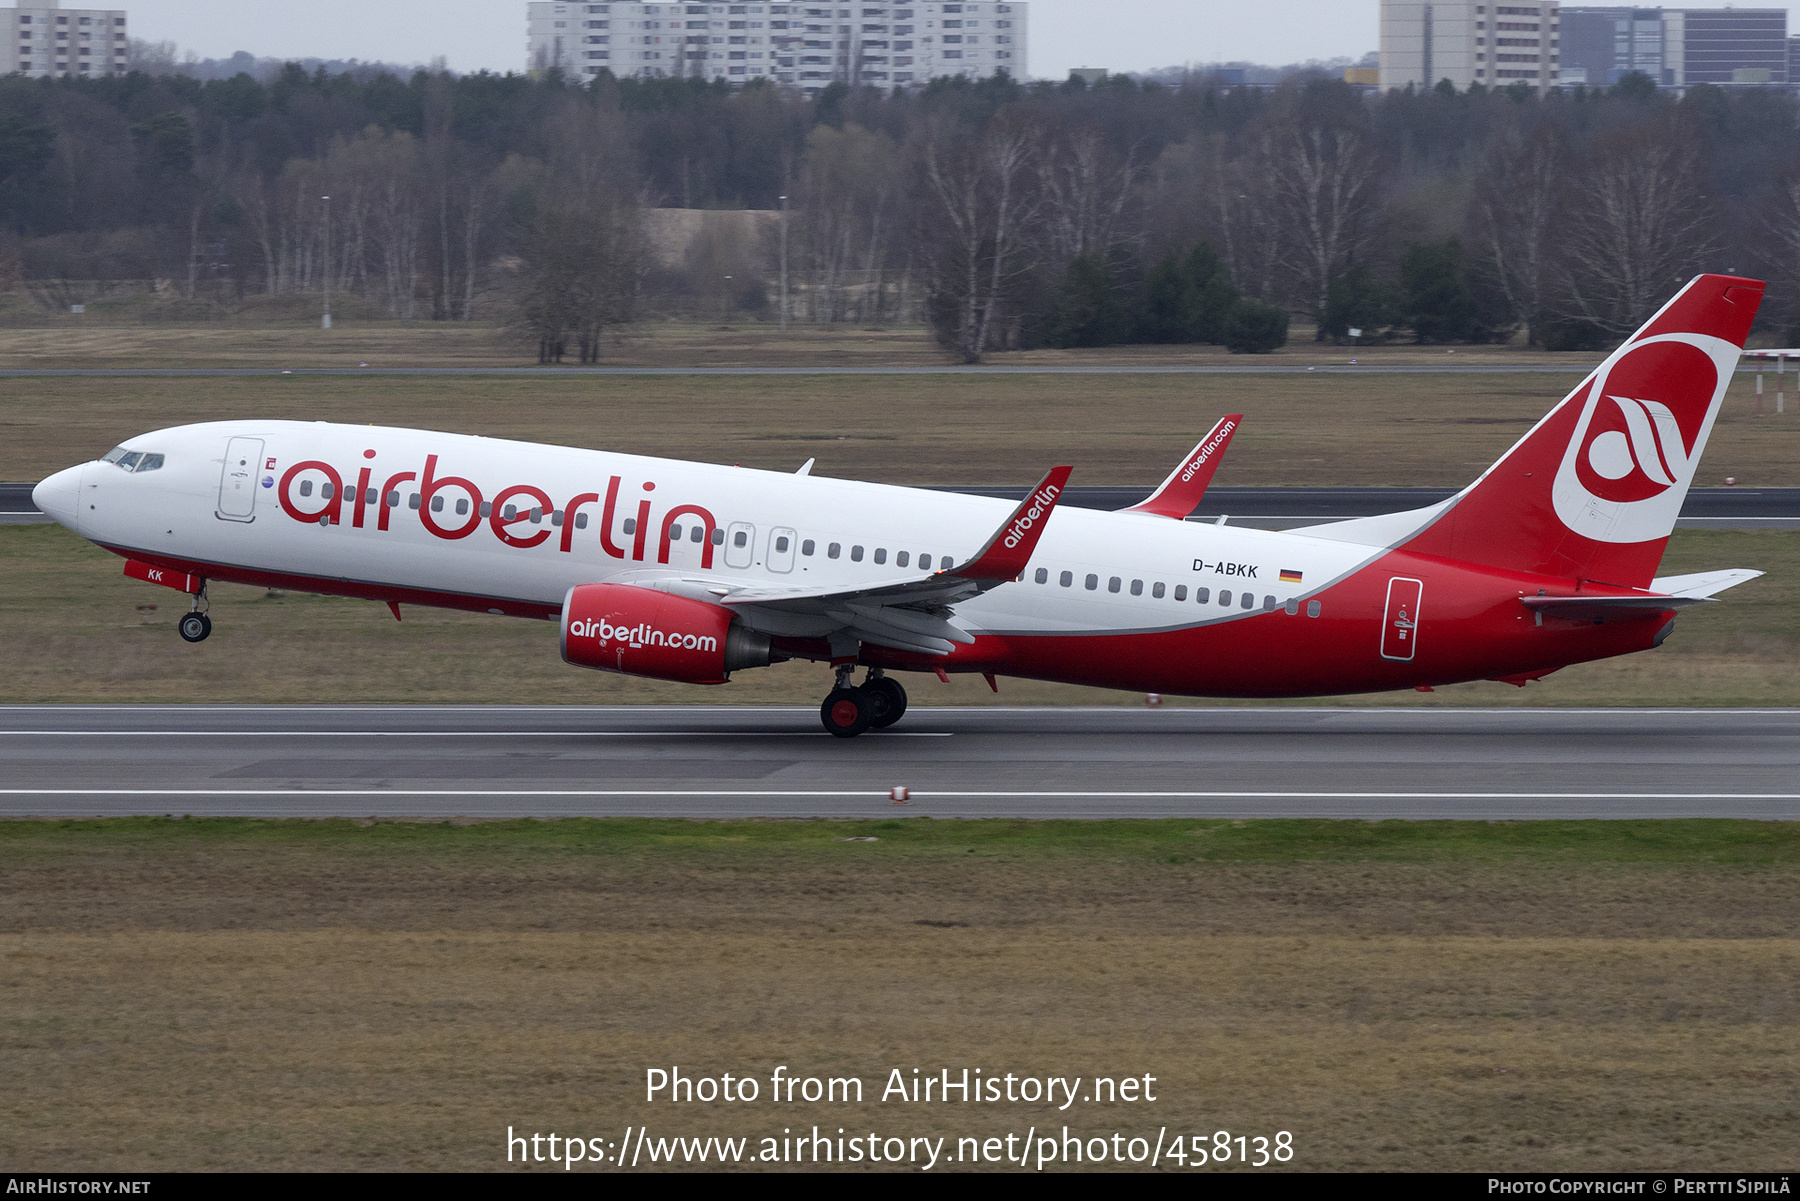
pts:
[693, 572]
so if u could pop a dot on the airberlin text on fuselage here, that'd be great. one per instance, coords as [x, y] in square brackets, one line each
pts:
[428, 484]
[1041, 500]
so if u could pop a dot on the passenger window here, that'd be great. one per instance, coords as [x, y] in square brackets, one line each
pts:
[1067, 579]
[630, 522]
[393, 502]
[674, 533]
[834, 550]
[856, 554]
[1114, 584]
[1137, 587]
[462, 507]
[1293, 607]
[412, 502]
[718, 537]
[330, 490]
[1043, 575]
[556, 517]
[781, 545]
[699, 535]
[537, 515]
[487, 508]
[924, 562]
[1249, 601]
[881, 554]
[150, 463]
[1314, 608]
[740, 540]
[1225, 598]
[1158, 590]
[1180, 591]
[511, 513]
[1270, 603]
[1202, 595]
[581, 521]
[901, 558]
[807, 547]
[1093, 582]
[306, 489]
[437, 502]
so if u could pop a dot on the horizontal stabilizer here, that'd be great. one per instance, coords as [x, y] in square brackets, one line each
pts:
[1586, 607]
[1704, 583]
[1181, 493]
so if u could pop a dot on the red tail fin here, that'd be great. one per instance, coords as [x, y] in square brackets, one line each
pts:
[1593, 491]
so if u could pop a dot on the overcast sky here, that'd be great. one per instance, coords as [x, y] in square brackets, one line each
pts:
[1123, 35]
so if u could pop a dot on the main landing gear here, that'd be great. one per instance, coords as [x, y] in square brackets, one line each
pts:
[877, 704]
[196, 626]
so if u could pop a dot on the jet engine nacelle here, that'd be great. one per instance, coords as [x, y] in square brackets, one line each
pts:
[642, 632]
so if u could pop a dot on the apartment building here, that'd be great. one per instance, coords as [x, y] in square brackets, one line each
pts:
[809, 46]
[1424, 42]
[1676, 47]
[48, 39]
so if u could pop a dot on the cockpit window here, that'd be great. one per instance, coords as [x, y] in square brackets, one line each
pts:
[133, 460]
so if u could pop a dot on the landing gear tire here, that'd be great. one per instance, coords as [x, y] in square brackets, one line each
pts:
[195, 627]
[847, 712]
[890, 701]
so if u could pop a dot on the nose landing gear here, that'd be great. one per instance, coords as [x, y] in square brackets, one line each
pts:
[877, 704]
[196, 626]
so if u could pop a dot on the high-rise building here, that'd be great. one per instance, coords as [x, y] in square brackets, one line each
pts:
[1424, 42]
[48, 39]
[1675, 47]
[807, 45]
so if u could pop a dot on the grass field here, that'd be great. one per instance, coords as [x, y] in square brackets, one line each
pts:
[1389, 429]
[1462, 996]
[92, 340]
[74, 629]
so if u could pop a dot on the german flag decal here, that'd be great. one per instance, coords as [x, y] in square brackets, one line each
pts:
[1290, 577]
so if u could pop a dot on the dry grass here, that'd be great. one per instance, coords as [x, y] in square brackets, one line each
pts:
[265, 996]
[1395, 429]
[34, 340]
[74, 629]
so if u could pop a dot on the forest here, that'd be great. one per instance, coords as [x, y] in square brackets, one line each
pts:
[1004, 215]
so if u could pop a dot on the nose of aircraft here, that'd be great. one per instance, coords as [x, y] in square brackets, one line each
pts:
[59, 496]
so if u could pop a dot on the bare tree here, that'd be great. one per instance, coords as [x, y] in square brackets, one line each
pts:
[1322, 182]
[1638, 227]
[1520, 201]
[1087, 187]
[981, 201]
[848, 181]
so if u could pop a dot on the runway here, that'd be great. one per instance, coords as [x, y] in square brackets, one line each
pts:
[716, 762]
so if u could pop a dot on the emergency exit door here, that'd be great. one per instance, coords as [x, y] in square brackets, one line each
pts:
[1400, 626]
[237, 482]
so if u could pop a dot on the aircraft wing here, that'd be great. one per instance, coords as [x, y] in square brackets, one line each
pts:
[907, 614]
[1180, 494]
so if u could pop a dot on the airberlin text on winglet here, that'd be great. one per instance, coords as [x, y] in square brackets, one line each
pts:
[1043, 500]
[1208, 447]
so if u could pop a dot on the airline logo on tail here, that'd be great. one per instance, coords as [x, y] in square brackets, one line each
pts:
[1638, 440]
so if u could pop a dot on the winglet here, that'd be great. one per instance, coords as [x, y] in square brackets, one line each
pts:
[1180, 494]
[1009, 551]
